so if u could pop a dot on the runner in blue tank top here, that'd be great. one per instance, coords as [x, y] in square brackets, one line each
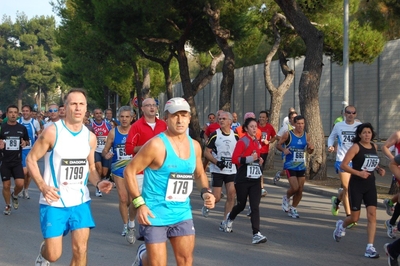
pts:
[297, 144]
[115, 149]
[171, 161]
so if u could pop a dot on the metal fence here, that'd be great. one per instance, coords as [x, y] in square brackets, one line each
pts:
[374, 90]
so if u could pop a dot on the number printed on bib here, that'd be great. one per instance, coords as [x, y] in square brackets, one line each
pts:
[253, 171]
[101, 141]
[121, 154]
[371, 161]
[73, 172]
[12, 143]
[179, 187]
[348, 137]
[298, 155]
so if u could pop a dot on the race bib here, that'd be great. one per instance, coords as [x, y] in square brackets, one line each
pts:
[253, 171]
[298, 155]
[73, 172]
[347, 137]
[371, 161]
[101, 141]
[179, 187]
[121, 154]
[12, 143]
[228, 162]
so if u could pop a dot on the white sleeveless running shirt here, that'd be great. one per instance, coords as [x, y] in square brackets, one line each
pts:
[66, 166]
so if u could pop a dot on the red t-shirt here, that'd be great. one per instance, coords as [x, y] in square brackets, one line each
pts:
[269, 131]
[141, 132]
[211, 128]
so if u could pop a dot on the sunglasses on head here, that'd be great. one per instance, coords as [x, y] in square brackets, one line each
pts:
[350, 113]
[53, 110]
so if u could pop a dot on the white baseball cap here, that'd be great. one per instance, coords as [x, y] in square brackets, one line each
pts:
[176, 104]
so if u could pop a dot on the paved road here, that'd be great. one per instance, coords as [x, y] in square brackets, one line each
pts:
[301, 242]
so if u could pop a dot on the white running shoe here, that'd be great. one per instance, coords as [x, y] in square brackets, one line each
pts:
[293, 213]
[130, 235]
[40, 261]
[370, 252]
[7, 210]
[259, 238]
[249, 211]
[228, 224]
[339, 231]
[98, 193]
[138, 261]
[277, 177]
[263, 192]
[26, 194]
[285, 204]
[124, 230]
[390, 229]
[222, 226]
[389, 209]
[15, 202]
[205, 211]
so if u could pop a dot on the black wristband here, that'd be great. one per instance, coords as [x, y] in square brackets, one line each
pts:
[205, 190]
[97, 185]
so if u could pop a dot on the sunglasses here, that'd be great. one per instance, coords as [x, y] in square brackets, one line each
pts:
[351, 113]
[53, 110]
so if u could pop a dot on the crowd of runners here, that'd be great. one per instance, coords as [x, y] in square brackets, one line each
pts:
[153, 162]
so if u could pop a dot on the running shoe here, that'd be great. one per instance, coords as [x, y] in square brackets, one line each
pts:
[392, 261]
[228, 224]
[124, 230]
[389, 209]
[351, 225]
[98, 193]
[293, 213]
[339, 231]
[259, 238]
[249, 211]
[15, 202]
[335, 207]
[138, 261]
[7, 210]
[285, 204]
[277, 177]
[390, 229]
[40, 261]
[130, 235]
[25, 194]
[222, 195]
[205, 211]
[370, 252]
[222, 226]
[263, 192]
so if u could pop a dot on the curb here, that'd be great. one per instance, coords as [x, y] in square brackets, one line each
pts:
[313, 189]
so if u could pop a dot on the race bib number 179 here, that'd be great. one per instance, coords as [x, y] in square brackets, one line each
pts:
[179, 187]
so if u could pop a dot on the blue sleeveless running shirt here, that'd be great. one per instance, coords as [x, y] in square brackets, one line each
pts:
[120, 159]
[295, 160]
[155, 185]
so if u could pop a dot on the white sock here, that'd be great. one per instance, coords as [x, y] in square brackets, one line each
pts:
[131, 224]
[370, 245]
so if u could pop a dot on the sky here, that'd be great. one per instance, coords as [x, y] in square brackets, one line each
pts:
[31, 8]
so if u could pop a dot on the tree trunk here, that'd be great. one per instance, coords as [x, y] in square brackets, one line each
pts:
[309, 84]
[228, 69]
[146, 83]
[276, 93]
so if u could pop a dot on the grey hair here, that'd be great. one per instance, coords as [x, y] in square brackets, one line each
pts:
[123, 109]
[228, 114]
